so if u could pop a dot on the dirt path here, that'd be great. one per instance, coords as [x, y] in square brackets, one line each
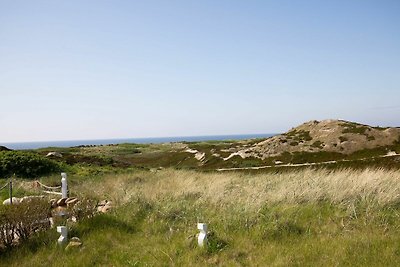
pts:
[301, 164]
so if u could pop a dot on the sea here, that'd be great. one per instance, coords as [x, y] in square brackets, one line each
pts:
[149, 140]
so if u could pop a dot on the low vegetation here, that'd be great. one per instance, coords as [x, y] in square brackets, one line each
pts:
[20, 222]
[25, 164]
[303, 217]
[330, 197]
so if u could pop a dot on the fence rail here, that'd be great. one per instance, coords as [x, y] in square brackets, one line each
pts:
[63, 188]
[48, 187]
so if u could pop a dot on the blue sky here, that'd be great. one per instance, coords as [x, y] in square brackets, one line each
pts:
[116, 69]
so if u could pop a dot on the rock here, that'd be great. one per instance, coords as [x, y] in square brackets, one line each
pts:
[15, 200]
[71, 201]
[106, 208]
[60, 211]
[61, 201]
[53, 203]
[74, 243]
[75, 239]
[102, 203]
[54, 154]
[29, 198]
[391, 153]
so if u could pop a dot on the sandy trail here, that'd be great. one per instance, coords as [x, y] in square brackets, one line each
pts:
[304, 164]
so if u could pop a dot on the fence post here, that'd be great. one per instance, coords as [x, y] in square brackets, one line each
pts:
[202, 238]
[10, 190]
[64, 235]
[64, 185]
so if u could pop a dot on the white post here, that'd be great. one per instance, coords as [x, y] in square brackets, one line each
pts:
[64, 235]
[202, 238]
[64, 185]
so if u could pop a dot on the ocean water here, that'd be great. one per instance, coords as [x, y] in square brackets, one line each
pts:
[155, 140]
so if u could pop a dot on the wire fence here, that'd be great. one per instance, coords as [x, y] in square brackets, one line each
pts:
[4, 186]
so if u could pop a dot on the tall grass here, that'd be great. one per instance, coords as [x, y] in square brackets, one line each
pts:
[376, 186]
[300, 218]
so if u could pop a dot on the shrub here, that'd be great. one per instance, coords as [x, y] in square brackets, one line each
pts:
[84, 209]
[356, 129]
[318, 144]
[19, 222]
[299, 136]
[25, 164]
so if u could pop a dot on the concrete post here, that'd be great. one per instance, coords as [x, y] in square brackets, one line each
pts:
[64, 235]
[64, 185]
[202, 237]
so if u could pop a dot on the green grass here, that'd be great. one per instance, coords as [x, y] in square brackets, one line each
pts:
[299, 136]
[162, 233]
[297, 218]
[354, 128]
[97, 160]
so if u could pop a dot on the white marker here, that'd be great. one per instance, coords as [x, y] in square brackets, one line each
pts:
[202, 238]
[64, 185]
[64, 235]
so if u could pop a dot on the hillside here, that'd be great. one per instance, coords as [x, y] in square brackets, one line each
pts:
[324, 136]
[3, 148]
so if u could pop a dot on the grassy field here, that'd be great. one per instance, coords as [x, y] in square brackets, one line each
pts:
[302, 217]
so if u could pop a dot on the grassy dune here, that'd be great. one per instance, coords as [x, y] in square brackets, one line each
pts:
[303, 217]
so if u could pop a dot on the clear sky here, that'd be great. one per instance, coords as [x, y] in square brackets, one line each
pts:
[81, 69]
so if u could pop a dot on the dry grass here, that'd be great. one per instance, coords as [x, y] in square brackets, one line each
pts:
[377, 186]
[299, 218]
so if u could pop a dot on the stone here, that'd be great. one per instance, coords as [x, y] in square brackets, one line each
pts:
[60, 211]
[15, 200]
[71, 201]
[61, 201]
[106, 208]
[29, 198]
[54, 154]
[74, 242]
[102, 203]
[75, 239]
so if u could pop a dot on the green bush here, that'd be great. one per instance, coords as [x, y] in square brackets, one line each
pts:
[318, 144]
[19, 222]
[25, 164]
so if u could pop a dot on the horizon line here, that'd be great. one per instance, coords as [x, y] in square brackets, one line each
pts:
[127, 138]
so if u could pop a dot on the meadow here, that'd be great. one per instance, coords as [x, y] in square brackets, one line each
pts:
[319, 217]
